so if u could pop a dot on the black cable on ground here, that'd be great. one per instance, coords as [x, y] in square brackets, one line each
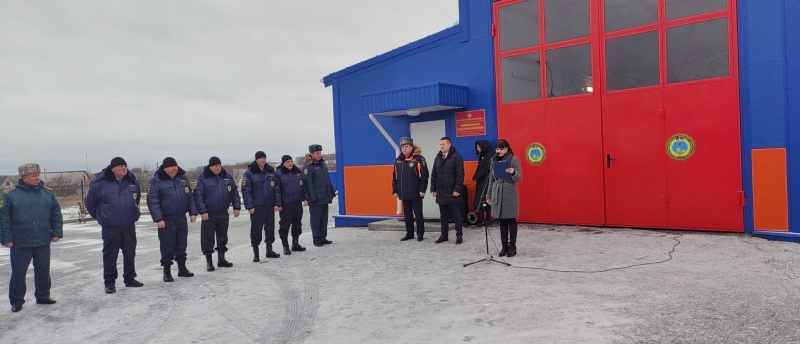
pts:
[678, 242]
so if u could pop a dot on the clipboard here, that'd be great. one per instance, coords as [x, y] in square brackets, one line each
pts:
[499, 168]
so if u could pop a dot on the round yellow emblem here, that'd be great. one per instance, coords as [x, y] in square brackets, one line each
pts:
[186, 189]
[535, 153]
[680, 147]
[229, 188]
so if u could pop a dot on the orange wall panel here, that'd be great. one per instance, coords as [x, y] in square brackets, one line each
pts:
[770, 199]
[368, 189]
[469, 171]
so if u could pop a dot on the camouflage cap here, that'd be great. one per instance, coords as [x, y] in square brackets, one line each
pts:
[27, 169]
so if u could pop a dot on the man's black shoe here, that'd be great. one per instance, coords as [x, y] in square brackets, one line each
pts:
[133, 283]
[16, 308]
[326, 242]
[441, 239]
[407, 237]
[111, 290]
[318, 244]
[419, 238]
[47, 301]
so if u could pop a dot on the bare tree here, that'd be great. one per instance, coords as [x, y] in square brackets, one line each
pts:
[330, 160]
[144, 174]
[62, 185]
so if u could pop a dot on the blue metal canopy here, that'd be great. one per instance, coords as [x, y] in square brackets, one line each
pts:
[414, 100]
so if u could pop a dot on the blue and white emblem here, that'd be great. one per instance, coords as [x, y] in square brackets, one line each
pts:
[680, 147]
[535, 153]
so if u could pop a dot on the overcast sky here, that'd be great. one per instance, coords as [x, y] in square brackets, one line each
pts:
[84, 81]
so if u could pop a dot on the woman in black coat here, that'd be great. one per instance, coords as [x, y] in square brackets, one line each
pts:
[483, 149]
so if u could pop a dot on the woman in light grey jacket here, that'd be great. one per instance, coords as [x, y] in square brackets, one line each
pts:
[503, 195]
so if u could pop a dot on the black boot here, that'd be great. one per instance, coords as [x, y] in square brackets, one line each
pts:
[167, 274]
[271, 253]
[512, 244]
[182, 270]
[442, 238]
[296, 246]
[209, 263]
[255, 255]
[221, 262]
[286, 250]
[504, 251]
[504, 232]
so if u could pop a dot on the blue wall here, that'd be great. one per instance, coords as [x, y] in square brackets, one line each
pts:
[792, 38]
[770, 90]
[441, 57]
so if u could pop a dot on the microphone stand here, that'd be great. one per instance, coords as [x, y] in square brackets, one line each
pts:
[489, 257]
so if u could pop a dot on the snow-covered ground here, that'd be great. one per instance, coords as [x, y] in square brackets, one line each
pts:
[368, 287]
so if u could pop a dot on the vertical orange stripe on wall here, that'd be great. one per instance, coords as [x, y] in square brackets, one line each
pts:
[770, 199]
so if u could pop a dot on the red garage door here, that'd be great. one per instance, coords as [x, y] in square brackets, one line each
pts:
[628, 108]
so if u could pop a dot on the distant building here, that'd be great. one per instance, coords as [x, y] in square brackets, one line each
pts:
[65, 183]
[8, 182]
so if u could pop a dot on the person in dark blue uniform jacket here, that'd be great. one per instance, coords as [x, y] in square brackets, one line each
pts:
[409, 184]
[30, 219]
[293, 198]
[215, 192]
[262, 198]
[169, 199]
[320, 193]
[113, 200]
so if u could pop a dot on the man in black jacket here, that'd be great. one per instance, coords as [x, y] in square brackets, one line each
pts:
[447, 182]
[409, 183]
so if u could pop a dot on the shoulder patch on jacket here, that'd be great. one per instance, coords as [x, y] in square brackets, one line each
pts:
[2, 203]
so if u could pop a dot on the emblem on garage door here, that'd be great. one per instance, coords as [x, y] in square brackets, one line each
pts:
[535, 153]
[680, 147]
